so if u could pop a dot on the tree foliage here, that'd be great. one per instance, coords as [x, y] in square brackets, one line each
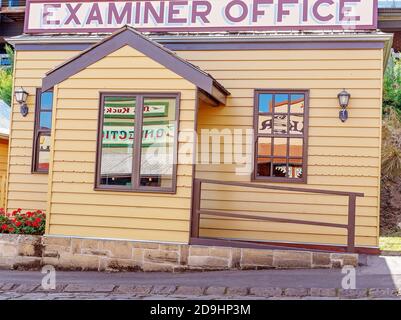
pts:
[6, 78]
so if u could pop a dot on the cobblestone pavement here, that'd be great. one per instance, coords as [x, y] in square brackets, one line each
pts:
[10, 291]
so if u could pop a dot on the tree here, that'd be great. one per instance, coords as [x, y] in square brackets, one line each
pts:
[392, 85]
[6, 78]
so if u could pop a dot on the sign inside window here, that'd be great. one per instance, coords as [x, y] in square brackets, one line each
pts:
[44, 16]
[122, 135]
[121, 111]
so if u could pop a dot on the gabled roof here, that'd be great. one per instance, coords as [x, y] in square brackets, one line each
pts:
[131, 37]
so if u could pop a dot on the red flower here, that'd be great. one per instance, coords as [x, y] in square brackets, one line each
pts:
[38, 220]
[11, 229]
[17, 223]
[4, 227]
[35, 224]
[28, 223]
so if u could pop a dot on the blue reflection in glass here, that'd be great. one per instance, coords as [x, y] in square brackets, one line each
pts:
[46, 100]
[265, 102]
[45, 120]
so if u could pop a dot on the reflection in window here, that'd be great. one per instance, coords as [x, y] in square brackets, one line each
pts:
[149, 164]
[280, 135]
[42, 131]
[118, 141]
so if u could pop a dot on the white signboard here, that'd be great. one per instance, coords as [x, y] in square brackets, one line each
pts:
[44, 16]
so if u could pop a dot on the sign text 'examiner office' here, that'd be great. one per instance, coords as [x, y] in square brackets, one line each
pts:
[199, 15]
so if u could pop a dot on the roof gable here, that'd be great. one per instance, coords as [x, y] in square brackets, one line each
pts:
[129, 36]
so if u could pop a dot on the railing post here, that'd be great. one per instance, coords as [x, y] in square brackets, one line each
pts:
[195, 209]
[351, 223]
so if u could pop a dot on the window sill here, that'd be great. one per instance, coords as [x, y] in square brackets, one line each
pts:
[279, 180]
[139, 191]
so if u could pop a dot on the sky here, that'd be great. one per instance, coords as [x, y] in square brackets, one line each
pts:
[4, 118]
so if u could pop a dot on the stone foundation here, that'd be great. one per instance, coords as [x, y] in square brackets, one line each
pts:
[66, 253]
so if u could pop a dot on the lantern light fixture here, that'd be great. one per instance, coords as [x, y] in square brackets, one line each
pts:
[343, 99]
[21, 96]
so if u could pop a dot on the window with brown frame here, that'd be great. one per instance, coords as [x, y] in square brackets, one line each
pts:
[137, 142]
[281, 135]
[42, 131]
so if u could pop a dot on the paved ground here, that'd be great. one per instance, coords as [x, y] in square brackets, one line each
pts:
[380, 279]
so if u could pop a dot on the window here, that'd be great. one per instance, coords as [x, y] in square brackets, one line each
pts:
[42, 131]
[137, 142]
[281, 135]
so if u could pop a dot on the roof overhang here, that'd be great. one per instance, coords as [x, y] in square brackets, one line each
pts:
[129, 36]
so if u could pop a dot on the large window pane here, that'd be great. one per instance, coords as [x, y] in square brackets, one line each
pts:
[42, 131]
[158, 138]
[280, 134]
[118, 141]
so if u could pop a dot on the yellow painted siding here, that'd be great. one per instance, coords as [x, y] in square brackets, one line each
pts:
[343, 157]
[26, 190]
[75, 208]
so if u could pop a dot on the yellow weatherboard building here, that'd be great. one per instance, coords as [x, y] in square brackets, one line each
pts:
[200, 135]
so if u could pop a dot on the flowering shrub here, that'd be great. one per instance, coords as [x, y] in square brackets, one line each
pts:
[16, 222]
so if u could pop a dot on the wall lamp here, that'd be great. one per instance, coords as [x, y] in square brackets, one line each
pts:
[21, 96]
[343, 99]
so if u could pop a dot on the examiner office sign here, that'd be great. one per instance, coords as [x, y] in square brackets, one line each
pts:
[44, 16]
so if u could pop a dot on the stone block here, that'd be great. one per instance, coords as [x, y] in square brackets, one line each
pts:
[220, 252]
[216, 291]
[383, 293]
[184, 253]
[157, 267]
[169, 247]
[321, 260]
[237, 291]
[142, 290]
[256, 258]
[266, 292]
[189, 291]
[56, 241]
[346, 259]
[84, 262]
[292, 259]
[161, 256]
[235, 261]
[353, 293]
[119, 265]
[296, 292]
[323, 292]
[29, 250]
[26, 288]
[76, 288]
[145, 245]
[198, 251]
[163, 290]
[207, 262]
[8, 250]
[117, 249]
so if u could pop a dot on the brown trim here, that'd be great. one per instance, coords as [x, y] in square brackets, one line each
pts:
[282, 245]
[135, 175]
[153, 50]
[305, 136]
[197, 211]
[190, 45]
[38, 132]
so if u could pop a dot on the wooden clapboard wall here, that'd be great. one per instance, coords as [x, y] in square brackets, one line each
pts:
[342, 157]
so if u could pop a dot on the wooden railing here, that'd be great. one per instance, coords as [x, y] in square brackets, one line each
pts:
[197, 211]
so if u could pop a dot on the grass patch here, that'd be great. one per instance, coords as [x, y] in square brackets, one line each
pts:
[390, 243]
